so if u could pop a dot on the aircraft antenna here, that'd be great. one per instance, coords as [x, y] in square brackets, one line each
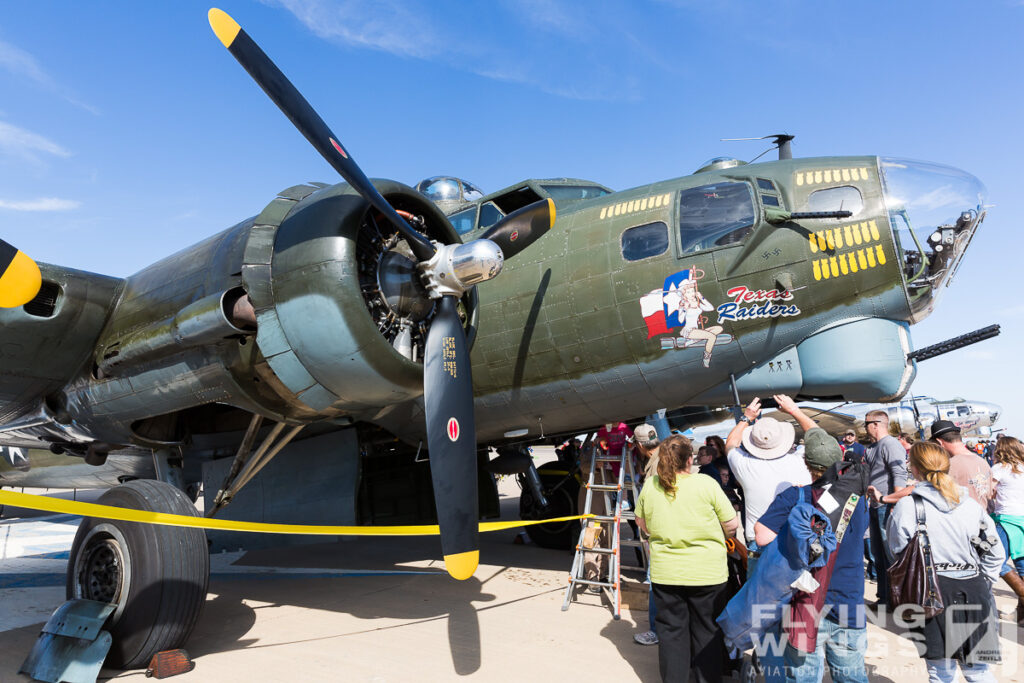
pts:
[780, 140]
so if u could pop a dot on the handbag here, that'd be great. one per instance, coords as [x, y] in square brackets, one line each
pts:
[912, 578]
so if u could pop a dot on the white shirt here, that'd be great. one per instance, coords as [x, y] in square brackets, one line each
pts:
[762, 480]
[1009, 498]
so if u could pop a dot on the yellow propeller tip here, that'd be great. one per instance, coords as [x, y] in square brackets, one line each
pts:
[19, 282]
[224, 26]
[462, 565]
[551, 209]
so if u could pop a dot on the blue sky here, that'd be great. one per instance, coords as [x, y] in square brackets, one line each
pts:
[127, 132]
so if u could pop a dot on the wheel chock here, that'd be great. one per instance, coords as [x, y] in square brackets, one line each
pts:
[169, 663]
[72, 645]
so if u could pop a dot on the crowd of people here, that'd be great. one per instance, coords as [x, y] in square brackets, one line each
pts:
[887, 498]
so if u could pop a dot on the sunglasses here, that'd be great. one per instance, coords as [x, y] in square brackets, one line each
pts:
[872, 422]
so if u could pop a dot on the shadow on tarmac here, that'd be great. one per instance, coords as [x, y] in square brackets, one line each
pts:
[405, 581]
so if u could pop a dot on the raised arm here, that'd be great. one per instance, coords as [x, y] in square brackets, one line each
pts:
[751, 412]
[789, 406]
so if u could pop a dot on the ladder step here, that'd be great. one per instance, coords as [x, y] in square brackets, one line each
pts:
[607, 459]
[587, 582]
[603, 487]
[602, 518]
[600, 551]
[632, 543]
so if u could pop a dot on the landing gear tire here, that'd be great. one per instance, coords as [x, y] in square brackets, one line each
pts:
[156, 575]
[561, 493]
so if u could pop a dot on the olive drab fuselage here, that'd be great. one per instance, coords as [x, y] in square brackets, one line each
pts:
[637, 300]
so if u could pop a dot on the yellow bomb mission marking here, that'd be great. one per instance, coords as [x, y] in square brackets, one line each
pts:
[853, 235]
[831, 175]
[635, 205]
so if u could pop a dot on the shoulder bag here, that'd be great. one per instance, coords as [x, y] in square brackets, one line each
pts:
[912, 577]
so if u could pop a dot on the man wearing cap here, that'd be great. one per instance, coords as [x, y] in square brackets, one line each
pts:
[762, 458]
[967, 469]
[853, 450]
[887, 460]
[842, 631]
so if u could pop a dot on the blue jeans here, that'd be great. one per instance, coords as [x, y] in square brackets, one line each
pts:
[843, 649]
[652, 608]
[944, 671]
[872, 571]
[1008, 564]
[877, 517]
[771, 655]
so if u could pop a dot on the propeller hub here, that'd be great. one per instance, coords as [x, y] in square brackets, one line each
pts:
[454, 268]
[403, 292]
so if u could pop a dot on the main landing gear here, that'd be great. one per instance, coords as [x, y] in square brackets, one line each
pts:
[156, 575]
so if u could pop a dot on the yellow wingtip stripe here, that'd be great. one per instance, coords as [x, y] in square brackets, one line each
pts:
[552, 210]
[223, 25]
[462, 565]
[20, 282]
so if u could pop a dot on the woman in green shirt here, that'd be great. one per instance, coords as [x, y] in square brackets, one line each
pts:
[687, 517]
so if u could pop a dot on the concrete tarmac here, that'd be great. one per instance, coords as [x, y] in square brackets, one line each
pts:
[383, 610]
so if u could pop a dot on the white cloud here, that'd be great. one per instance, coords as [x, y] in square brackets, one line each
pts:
[21, 63]
[42, 204]
[417, 29]
[25, 143]
[387, 25]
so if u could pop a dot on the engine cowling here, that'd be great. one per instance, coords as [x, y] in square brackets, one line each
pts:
[341, 312]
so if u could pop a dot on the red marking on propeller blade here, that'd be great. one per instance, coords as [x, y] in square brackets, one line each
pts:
[338, 147]
[514, 236]
[453, 429]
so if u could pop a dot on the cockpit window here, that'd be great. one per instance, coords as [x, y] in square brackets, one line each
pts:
[463, 221]
[570, 192]
[489, 215]
[845, 198]
[715, 215]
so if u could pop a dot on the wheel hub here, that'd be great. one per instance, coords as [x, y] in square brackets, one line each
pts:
[101, 576]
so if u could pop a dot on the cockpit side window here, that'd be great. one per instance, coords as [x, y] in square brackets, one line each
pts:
[845, 198]
[645, 241]
[715, 216]
[464, 221]
[489, 215]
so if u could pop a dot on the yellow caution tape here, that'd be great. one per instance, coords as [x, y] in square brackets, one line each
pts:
[69, 507]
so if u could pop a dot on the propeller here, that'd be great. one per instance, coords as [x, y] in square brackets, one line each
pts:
[20, 279]
[447, 272]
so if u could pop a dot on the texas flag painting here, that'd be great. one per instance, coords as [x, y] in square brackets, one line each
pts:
[660, 308]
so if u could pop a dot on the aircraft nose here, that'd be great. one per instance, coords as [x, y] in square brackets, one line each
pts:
[994, 411]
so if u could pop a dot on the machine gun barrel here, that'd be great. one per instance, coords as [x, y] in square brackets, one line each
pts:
[954, 343]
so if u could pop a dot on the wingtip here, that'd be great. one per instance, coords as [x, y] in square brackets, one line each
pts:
[223, 25]
[461, 566]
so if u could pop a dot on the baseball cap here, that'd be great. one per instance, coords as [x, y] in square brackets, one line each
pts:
[820, 449]
[940, 427]
[646, 436]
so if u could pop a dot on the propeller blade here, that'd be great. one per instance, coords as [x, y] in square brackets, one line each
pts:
[20, 278]
[451, 438]
[523, 227]
[290, 101]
